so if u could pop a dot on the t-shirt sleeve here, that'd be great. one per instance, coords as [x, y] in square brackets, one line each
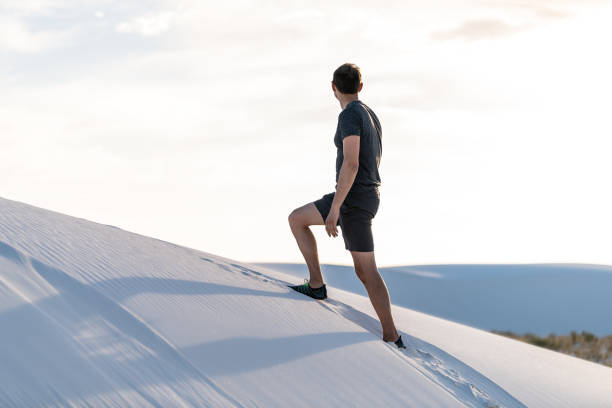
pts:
[349, 123]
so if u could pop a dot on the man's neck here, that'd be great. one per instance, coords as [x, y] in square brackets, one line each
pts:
[345, 102]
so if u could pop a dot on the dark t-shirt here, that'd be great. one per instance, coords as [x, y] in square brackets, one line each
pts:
[358, 119]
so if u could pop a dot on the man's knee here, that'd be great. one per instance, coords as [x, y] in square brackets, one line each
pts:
[305, 216]
[295, 220]
[365, 265]
[292, 218]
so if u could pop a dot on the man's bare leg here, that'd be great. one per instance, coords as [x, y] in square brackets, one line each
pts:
[365, 267]
[300, 219]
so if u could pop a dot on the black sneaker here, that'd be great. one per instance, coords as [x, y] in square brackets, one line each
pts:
[318, 293]
[399, 343]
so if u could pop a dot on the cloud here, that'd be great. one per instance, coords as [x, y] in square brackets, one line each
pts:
[300, 14]
[547, 12]
[524, 15]
[542, 9]
[478, 29]
[15, 36]
[148, 25]
[32, 7]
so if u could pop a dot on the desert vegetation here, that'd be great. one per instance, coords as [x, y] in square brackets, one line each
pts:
[583, 345]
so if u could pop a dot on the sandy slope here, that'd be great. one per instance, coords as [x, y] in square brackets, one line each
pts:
[92, 314]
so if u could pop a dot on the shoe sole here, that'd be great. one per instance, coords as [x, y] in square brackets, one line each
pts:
[315, 298]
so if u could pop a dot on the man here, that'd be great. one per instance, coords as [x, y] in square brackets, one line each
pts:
[355, 202]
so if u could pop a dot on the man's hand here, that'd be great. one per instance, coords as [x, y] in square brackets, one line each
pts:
[331, 221]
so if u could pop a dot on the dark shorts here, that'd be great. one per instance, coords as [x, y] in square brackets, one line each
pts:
[355, 220]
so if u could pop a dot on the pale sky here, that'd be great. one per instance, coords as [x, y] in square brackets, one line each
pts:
[205, 123]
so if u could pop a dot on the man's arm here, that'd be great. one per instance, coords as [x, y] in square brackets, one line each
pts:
[348, 170]
[346, 177]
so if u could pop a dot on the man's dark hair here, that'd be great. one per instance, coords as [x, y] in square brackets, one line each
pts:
[347, 78]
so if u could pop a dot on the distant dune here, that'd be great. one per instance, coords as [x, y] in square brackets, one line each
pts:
[535, 298]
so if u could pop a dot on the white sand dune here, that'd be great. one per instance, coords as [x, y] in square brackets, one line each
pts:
[91, 315]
